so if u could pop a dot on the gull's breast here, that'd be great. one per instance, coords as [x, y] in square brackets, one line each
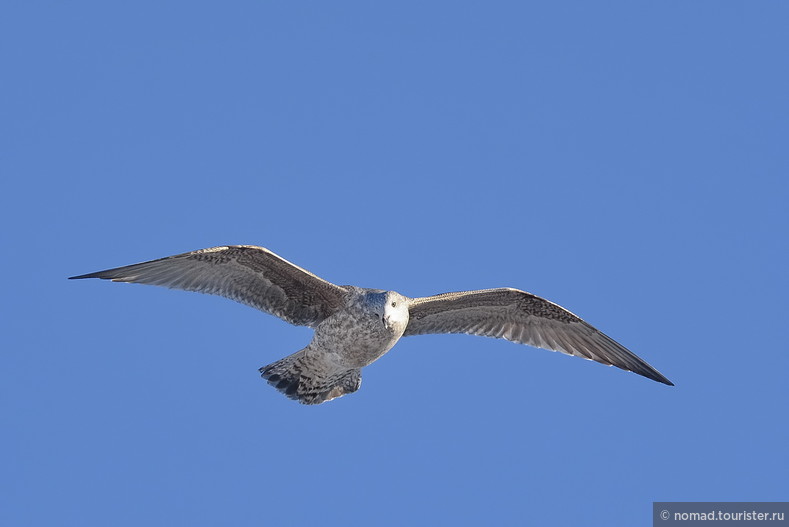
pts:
[354, 341]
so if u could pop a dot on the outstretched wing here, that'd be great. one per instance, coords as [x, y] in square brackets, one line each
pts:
[525, 318]
[251, 275]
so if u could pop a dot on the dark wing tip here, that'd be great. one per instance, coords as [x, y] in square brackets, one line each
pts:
[662, 379]
[655, 376]
[109, 274]
[89, 275]
[645, 370]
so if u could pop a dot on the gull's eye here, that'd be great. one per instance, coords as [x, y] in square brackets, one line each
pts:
[394, 304]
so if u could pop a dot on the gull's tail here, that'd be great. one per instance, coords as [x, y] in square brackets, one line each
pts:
[310, 380]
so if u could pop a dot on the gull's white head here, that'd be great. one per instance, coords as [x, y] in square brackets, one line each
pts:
[391, 308]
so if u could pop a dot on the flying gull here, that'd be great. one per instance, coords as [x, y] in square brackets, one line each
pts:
[355, 326]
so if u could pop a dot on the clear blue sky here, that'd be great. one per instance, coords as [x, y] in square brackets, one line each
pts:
[627, 160]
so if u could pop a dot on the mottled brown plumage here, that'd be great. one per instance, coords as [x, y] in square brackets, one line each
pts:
[355, 326]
